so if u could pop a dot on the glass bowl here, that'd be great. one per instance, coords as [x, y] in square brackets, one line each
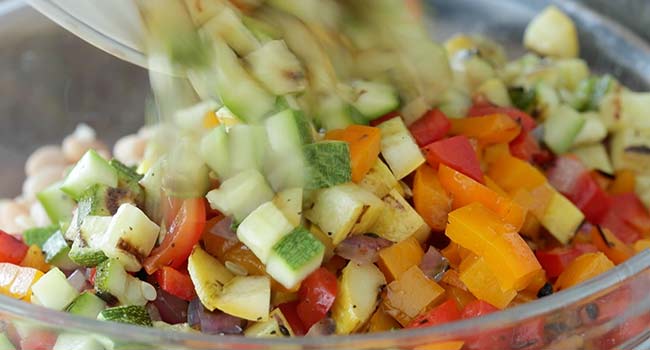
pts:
[50, 81]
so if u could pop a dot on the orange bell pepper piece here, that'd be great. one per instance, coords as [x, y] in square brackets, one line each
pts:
[608, 243]
[480, 230]
[398, 258]
[624, 182]
[494, 152]
[466, 190]
[410, 294]
[444, 345]
[641, 245]
[491, 184]
[482, 282]
[365, 144]
[584, 267]
[512, 173]
[488, 130]
[380, 321]
[35, 258]
[460, 296]
[431, 200]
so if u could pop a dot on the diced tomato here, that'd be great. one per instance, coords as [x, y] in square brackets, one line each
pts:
[175, 283]
[527, 122]
[627, 218]
[590, 198]
[384, 118]
[443, 313]
[556, 260]
[497, 339]
[289, 310]
[316, 296]
[457, 153]
[184, 232]
[432, 126]
[12, 250]
[528, 336]
[169, 208]
[91, 275]
[38, 340]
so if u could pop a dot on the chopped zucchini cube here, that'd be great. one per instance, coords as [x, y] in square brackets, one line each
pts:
[262, 229]
[327, 164]
[294, 257]
[277, 68]
[90, 169]
[399, 220]
[131, 314]
[247, 297]
[53, 290]
[241, 194]
[399, 149]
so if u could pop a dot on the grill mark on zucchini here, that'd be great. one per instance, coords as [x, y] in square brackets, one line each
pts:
[641, 149]
[130, 248]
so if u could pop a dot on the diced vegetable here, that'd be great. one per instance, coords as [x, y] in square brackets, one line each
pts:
[35, 259]
[57, 204]
[91, 169]
[562, 127]
[356, 296]
[399, 148]
[609, 244]
[263, 228]
[176, 283]
[345, 209]
[592, 131]
[70, 341]
[556, 260]
[11, 249]
[289, 202]
[131, 314]
[583, 268]
[214, 151]
[457, 153]
[294, 257]
[594, 157]
[208, 276]
[53, 280]
[39, 235]
[17, 282]
[410, 294]
[364, 143]
[396, 259]
[380, 181]
[277, 68]
[373, 99]
[483, 283]
[327, 164]
[629, 149]
[431, 127]
[246, 297]
[552, 33]
[505, 252]
[316, 294]
[56, 251]
[241, 194]
[87, 304]
[112, 282]
[431, 200]
[561, 218]
[399, 220]
[488, 130]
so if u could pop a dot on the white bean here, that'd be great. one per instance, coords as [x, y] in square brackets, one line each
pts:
[9, 211]
[39, 215]
[24, 222]
[45, 156]
[130, 149]
[74, 148]
[41, 180]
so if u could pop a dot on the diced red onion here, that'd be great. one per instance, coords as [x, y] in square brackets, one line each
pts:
[78, 280]
[153, 312]
[223, 229]
[172, 309]
[433, 264]
[326, 326]
[216, 322]
[361, 248]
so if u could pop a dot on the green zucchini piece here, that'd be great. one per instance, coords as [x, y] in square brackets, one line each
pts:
[241, 194]
[91, 169]
[561, 128]
[39, 235]
[131, 314]
[327, 164]
[277, 68]
[101, 200]
[185, 174]
[57, 205]
[56, 251]
[215, 152]
[87, 304]
[128, 179]
[294, 257]
[373, 99]
[70, 341]
[262, 229]
[53, 290]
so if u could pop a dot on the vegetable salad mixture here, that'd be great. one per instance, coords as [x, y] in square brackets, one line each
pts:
[320, 172]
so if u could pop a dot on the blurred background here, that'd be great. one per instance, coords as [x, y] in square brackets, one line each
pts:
[51, 80]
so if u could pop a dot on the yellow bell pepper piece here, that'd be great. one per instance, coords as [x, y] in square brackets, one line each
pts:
[382, 322]
[410, 294]
[482, 282]
[8, 273]
[505, 252]
[584, 267]
[641, 245]
[398, 258]
[21, 287]
[512, 173]
[35, 258]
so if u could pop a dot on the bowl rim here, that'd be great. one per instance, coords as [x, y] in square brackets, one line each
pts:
[554, 302]
[557, 301]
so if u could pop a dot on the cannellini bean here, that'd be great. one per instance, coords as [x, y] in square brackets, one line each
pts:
[9, 211]
[39, 215]
[45, 156]
[130, 149]
[24, 222]
[41, 180]
[74, 148]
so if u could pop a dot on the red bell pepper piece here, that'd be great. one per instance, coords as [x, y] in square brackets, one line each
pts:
[481, 109]
[528, 336]
[316, 296]
[384, 118]
[497, 339]
[432, 126]
[175, 283]
[12, 250]
[556, 260]
[627, 217]
[289, 310]
[565, 173]
[443, 313]
[590, 198]
[184, 232]
[457, 153]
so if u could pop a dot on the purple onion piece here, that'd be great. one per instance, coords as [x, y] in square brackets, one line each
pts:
[224, 230]
[326, 326]
[433, 264]
[362, 248]
[215, 322]
[78, 280]
[172, 309]
[153, 312]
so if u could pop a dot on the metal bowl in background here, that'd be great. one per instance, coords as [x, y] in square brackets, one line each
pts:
[50, 81]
